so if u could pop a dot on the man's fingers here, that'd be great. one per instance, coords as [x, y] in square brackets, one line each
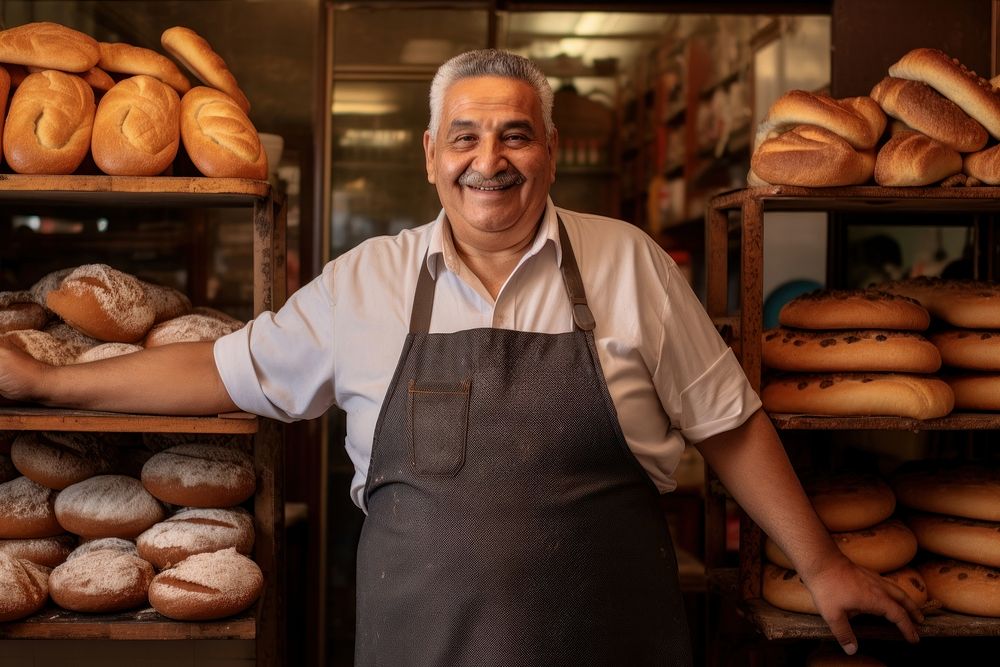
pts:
[843, 633]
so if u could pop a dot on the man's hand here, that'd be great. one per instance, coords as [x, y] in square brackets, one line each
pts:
[21, 376]
[841, 590]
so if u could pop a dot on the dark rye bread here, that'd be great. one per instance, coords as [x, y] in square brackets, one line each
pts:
[827, 309]
[971, 304]
[969, 540]
[860, 394]
[963, 587]
[969, 348]
[849, 350]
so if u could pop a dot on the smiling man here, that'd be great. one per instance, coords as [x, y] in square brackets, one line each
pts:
[520, 382]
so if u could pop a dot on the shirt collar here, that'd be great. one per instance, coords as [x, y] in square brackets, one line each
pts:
[441, 252]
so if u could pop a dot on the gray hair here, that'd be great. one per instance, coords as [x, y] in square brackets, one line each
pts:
[489, 62]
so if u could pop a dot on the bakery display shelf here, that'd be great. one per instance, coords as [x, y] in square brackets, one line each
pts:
[964, 421]
[33, 418]
[145, 624]
[132, 190]
[862, 197]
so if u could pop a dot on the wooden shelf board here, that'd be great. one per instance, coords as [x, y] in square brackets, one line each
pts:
[865, 197]
[55, 623]
[129, 190]
[952, 422]
[34, 418]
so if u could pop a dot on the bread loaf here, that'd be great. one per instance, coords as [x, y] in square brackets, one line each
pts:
[107, 506]
[5, 88]
[49, 124]
[42, 346]
[197, 55]
[101, 581]
[975, 391]
[841, 351]
[785, 589]
[58, 459]
[884, 547]
[965, 490]
[850, 501]
[167, 302]
[189, 328]
[44, 551]
[207, 586]
[967, 540]
[95, 77]
[197, 475]
[219, 138]
[104, 543]
[48, 45]
[104, 303]
[963, 587]
[827, 309]
[971, 304]
[24, 588]
[926, 111]
[27, 510]
[128, 59]
[973, 94]
[194, 531]
[137, 128]
[50, 281]
[18, 310]
[969, 348]
[106, 351]
[844, 394]
[810, 156]
[858, 120]
[914, 159]
[984, 165]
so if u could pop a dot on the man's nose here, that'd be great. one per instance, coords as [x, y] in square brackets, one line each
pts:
[491, 158]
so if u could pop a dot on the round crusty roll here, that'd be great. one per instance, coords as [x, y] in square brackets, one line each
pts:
[207, 586]
[45, 551]
[167, 302]
[58, 459]
[137, 129]
[219, 138]
[860, 121]
[928, 112]
[965, 490]
[861, 394]
[49, 124]
[18, 310]
[42, 345]
[106, 351]
[972, 93]
[912, 159]
[25, 587]
[970, 304]
[197, 55]
[784, 588]
[810, 156]
[200, 475]
[103, 302]
[983, 165]
[101, 581]
[50, 281]
[969, 348]
[967, 540]
[195, 531]
[135, 60]
[48, 45]
[826, 309]
[27, 510]
[838, 351]
[190, 328]
[848, 501]
[975, 391]
[104, 543]
[107, 506]
[963, 587]
[884, 547]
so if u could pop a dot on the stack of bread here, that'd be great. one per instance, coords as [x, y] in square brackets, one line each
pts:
[853, 352]
[128, 107]
[967, 315]
[945, 120]
[94, 311]
[857, 509]
[955, 515]
[80, 526]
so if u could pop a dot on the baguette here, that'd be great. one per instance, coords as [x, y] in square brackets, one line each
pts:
[926, 111]
[128, 59]
[197, 55]
[50, 46]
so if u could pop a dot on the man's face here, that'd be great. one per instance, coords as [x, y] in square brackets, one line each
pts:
[490, 161]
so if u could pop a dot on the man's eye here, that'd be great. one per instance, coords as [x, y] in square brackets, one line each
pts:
[515, 138]
[464, 139]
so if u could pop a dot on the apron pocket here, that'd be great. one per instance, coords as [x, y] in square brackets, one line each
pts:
[438, 416]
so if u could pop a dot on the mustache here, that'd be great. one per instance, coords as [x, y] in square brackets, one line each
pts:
[503, 179]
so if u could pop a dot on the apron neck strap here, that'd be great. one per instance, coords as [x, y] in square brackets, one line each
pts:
[423, 298]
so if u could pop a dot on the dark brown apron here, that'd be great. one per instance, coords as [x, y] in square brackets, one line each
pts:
[508, 522]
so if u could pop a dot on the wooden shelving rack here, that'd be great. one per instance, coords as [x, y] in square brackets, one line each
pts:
[741, 212]
[264, 623]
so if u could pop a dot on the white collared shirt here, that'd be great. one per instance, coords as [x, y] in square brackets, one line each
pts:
[337, 340]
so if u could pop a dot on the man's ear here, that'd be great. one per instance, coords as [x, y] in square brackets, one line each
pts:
[553, 154]
[429, 155]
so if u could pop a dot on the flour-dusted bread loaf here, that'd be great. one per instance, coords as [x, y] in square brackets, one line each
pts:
[18, 310]
[858, 120]
[850, 501]
[48, 45]
[43, 346]
[137, 129]
[207, 586]
[845, 350]
[810, 156]
[24, 587]
[107, 506]
[44, 551]
[827, 309]
[167, 302]
[50, 281]
[49, 124]
[135, 60]
[219, 137]
[190, 328]
[200, 475]
[949, 77]
[970, 490]
[105, 303]
[194, 531]
[975, 391]
[925, 110]
[27, 510]
[969, 540]
[884, 547]
[104, 543]
[197, 55]
[106, 351]
[784, 588]
[963, 587]
[57, 459]
[912, 159]
[859, 394]
[101, 581]
[971, 304]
